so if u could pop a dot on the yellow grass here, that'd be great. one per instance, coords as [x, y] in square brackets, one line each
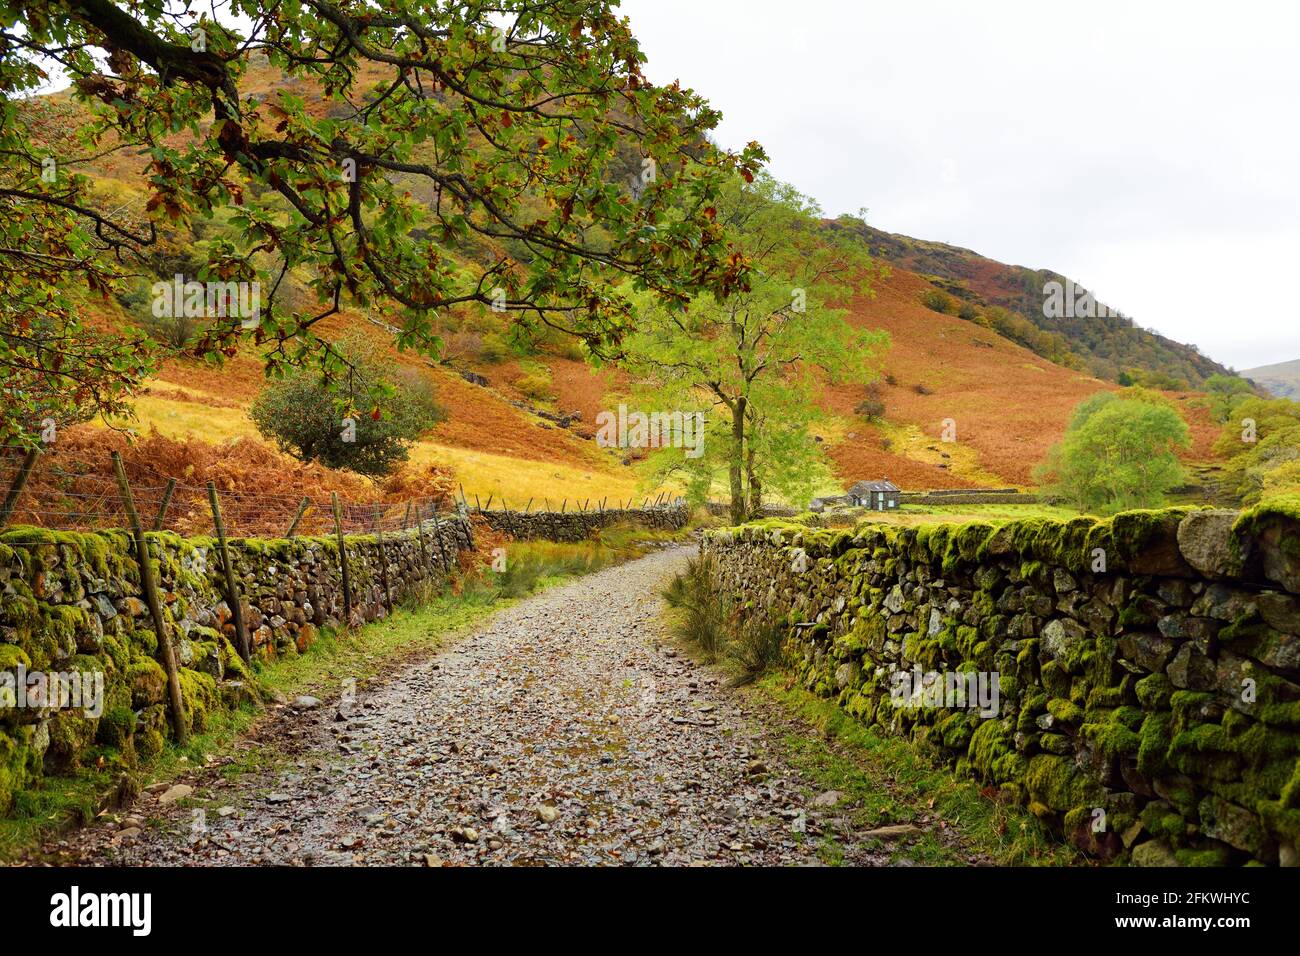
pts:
[518, 480]
[963, 460]
[482, 473]
[177, 419]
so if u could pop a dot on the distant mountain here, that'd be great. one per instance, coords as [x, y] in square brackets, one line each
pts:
[1282, 379]
[1105, 342]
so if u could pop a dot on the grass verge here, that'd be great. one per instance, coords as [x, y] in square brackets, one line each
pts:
[890, 781]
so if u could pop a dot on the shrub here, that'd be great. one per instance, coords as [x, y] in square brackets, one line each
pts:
[872, 408]
[534, 381]
[937, 301]
[367, 429]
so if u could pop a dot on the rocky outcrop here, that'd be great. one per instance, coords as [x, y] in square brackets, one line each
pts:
[1147, 667]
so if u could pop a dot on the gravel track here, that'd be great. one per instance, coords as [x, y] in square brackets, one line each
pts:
[565, 730]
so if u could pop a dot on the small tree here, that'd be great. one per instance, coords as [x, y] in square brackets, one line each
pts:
[758, 356]
[1225, 392]
[1119, 452]
[365, 424]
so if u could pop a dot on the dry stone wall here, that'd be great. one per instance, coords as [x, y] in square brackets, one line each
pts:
[71, 604]
[580, 525]
[1148, 667]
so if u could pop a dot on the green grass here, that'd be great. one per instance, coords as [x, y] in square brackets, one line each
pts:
[421, 626]
[912, 515]
[891, 780]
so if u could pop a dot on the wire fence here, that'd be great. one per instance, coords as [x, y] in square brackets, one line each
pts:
[61, 492]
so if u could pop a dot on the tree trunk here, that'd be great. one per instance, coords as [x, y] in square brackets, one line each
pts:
[737, 462]
[755, 485]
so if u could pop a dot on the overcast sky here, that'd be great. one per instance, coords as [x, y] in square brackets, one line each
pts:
[1149, 150]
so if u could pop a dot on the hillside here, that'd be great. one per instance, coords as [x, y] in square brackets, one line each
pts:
[504, 391]
[1282, 380]
[1107, 344]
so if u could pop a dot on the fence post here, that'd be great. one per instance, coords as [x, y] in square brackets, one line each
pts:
[302, 510]
[343, 560]
[383, 562]
[232, 586]
[166, 503]
[16, 489]
[150, 588]
[505, 515]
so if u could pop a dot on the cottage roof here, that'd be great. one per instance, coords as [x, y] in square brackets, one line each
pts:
[863, 487]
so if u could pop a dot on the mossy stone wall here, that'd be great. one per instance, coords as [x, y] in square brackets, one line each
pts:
[72, 603]
[1148, 665]
[579, 525]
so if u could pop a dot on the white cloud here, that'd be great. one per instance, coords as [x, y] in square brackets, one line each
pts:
[1150, 151]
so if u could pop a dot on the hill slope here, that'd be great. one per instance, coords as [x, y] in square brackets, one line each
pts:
[1008, 404]
[1281, 380]
[1106, 344]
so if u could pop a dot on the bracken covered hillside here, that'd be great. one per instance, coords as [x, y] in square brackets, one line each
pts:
[512, 428]
[1106, 345]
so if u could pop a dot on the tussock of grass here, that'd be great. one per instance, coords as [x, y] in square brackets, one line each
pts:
[707, 621]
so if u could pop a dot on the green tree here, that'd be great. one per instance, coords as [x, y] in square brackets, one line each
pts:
[1225, 392]
[481, 126]
[756, 357]
[1119, 452]
[1261, 442]
[366, 426]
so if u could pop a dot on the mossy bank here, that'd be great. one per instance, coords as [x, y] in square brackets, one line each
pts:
[1148, 666]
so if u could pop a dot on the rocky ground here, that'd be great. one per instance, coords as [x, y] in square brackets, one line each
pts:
[567, 730]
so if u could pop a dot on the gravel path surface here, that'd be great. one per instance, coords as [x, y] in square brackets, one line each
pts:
[563, 731]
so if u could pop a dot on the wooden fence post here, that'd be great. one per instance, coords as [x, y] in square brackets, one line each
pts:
[505, 515]
[343, 560]
[16, 489]
[302, 510]
[383, 562]
[150, 588]
[166, 503]
[419, 530]
[232, 586]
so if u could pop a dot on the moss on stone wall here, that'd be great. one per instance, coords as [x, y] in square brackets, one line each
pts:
[71, 603]
[1148, 665]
